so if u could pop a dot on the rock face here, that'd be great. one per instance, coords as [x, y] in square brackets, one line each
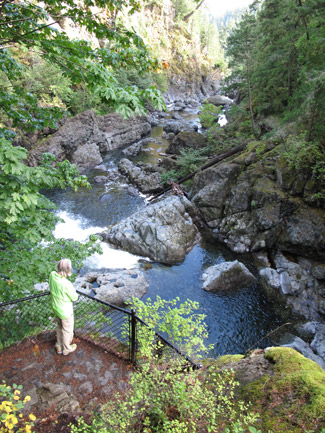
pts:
[146, 177]
[211, 188]
[299, 282]
[227, 275]
[187, 140]
[84, 138]
[275, 376]
[164, 231]
[114, 287]
[246, 208]
[254, 203]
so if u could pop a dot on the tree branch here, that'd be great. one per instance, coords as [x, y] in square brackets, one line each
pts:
[193, 11]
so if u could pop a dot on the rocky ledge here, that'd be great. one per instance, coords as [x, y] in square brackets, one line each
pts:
[83, 139]
[163, 231]
[115, 287]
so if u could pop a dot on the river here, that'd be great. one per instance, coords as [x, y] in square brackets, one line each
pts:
[236, 319]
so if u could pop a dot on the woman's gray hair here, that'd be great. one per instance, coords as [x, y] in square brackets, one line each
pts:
[64, 267]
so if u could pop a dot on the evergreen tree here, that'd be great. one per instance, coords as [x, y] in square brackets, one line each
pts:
[278, 58]
[242, 49]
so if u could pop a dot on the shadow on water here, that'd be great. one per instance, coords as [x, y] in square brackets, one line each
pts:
[235, 319]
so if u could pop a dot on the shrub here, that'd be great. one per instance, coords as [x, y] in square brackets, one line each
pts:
[191, 159]
[11, 406]
[178, 322]
[169, 400]
[209, 115]
[301, 154]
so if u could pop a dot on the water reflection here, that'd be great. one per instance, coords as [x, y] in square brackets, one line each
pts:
[236, 319]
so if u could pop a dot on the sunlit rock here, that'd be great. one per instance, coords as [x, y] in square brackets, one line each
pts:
[164, 231]
[227, 275]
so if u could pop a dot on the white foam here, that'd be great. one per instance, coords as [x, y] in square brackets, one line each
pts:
[79, 229]
[74, 228]
[111, 258]
[222, 120]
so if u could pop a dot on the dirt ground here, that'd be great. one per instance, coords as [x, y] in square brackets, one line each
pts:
[81, 381]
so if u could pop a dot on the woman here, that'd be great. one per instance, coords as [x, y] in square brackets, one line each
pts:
[63, 294]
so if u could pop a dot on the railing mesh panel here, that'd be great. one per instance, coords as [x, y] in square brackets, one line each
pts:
[24, 318]
[115, 329]
[103, 325]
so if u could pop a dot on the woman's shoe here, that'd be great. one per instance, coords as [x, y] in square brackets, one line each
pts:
[73, 348]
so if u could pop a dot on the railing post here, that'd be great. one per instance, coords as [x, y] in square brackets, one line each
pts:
[133, 337]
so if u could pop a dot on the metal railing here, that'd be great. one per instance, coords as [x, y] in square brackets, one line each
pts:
[115, 329]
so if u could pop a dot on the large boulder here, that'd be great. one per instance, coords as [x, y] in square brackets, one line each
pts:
[285, 388]
[84, 138]
[218, 100]
[145, 176]
[116, 286]
[164, 231]
[187, 140]
[227, 275]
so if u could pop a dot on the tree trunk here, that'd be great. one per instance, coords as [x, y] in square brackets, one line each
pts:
[203, 167]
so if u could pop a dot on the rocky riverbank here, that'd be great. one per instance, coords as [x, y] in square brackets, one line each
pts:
[253, 203]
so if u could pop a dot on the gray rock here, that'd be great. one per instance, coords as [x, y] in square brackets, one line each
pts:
[186, 140]
[136, 148]
[100, 179]
[271, 277]
[87, 155]
[304, 233]
[176, 126]
[227, 275]
[261, 259]
[146, 177]
[219, 100]
[297, 283]
[293, 278]
[101, 167]
[318, 271]
[210, 198]
[164, 231]
[300, 346]
[84, 138]
[307, 330]
[115, 286]
[318, 343]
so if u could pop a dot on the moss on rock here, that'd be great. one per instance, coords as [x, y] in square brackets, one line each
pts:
[292, 398]
[227, 359]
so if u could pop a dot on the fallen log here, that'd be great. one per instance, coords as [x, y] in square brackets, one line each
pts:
[203, 167]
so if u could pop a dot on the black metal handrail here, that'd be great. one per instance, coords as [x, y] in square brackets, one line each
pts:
[98, 321]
